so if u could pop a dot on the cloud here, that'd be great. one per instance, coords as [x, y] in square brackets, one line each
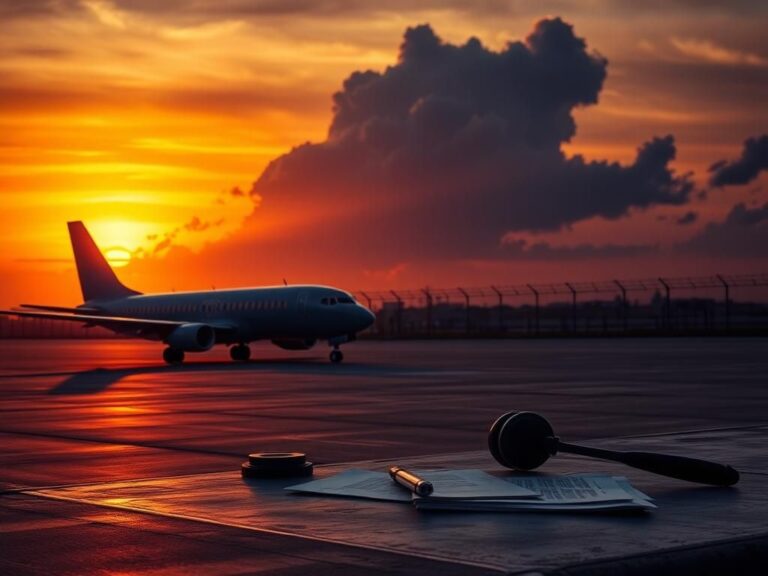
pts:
[204, 9]
[754, 159]
[743, 233]
[688, 218]
[454, 146]
[106, 13]
[519, 248]
[12, 9]
[710, 52]
[42, 52]
[195, 224]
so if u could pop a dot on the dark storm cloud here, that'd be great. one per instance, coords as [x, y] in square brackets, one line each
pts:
[454, 146]
[743, 233]
[754, 159]
[688, 218]
[522, 249]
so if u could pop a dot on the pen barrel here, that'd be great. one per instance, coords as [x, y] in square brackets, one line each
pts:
[411, 481]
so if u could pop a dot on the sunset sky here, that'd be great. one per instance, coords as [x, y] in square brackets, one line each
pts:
[480, 148]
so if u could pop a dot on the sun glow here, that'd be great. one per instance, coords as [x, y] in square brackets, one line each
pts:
[117, 256]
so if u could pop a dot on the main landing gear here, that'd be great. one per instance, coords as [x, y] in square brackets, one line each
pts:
[173, 355]
[336, 355]
[240, 353]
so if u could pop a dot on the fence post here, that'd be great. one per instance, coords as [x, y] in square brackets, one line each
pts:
[467, 313]
[624, 309]
[536, 307]
[368, 299]
[399, 315]
[501, 308]
[727, 301]
[667, 305]
[573, 305]
[429, 310]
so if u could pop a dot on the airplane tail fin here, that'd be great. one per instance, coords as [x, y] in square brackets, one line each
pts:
[97, 280]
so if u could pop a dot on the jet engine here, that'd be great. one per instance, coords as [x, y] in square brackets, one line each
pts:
[295, 343]
[192, 338]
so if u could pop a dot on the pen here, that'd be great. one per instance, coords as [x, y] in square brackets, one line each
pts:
[411, 481]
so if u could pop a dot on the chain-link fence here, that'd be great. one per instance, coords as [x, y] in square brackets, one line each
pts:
[706, 304]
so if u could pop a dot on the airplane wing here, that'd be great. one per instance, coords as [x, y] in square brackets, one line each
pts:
[78, 310]
[119, 323]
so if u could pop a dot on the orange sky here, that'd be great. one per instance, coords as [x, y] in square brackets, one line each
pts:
[140, 118]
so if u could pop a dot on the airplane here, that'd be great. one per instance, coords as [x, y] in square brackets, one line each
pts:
[293, 317]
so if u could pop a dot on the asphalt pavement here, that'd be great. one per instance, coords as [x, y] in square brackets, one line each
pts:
[78, 412]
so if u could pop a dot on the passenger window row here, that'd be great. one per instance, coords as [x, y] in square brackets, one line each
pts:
[209, 307]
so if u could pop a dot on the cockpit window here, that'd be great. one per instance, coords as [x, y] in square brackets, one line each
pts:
[333, 300]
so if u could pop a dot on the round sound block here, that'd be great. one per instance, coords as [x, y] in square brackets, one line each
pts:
[249, 471]
[277, 460]
[520, 440]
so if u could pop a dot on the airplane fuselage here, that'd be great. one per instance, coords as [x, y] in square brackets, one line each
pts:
[292, 317]
[274, 312]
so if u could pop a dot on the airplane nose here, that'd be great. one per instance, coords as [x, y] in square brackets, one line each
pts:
[365, 317]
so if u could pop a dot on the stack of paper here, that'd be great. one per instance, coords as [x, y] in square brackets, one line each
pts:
[475, 490]
[572, 493]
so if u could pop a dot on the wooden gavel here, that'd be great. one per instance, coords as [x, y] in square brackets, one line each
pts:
[525, 440]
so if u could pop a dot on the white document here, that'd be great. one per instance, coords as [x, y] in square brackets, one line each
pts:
[448, 484]
[573, 488]
[572, 493]
[526, 506]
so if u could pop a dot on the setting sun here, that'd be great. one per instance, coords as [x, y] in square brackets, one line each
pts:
[117, 256]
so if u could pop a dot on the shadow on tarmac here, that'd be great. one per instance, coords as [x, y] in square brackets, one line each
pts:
[100, 379]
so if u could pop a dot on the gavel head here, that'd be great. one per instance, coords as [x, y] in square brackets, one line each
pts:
[521, 440]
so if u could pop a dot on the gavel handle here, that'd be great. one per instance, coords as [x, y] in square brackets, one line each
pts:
[680, 467]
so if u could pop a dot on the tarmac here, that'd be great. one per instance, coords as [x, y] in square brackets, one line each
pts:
[95, 432]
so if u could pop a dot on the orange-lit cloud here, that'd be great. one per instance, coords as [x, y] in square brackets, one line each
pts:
[138, 116]
[711, 52]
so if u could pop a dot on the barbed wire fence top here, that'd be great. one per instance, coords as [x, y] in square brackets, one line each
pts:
[497, 294]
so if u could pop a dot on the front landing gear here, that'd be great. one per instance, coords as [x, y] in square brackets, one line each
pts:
[173, 355]
[240, 353]
[336, 356]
